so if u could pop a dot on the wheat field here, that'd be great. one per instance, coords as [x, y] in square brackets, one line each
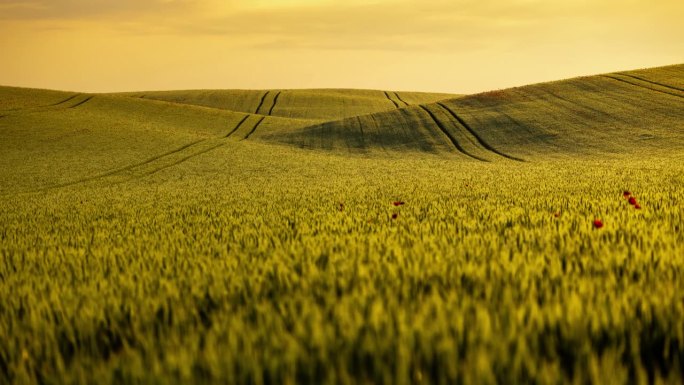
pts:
[526, 235]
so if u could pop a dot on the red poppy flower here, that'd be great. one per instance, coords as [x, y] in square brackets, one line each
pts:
[626, 194]
[556, 214]
[598, 223]
[637, 206]
[632, 201]
[398, 203]
[395, 215]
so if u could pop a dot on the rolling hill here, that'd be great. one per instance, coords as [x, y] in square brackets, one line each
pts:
[54, 138]
[639, 111]
[526, 235]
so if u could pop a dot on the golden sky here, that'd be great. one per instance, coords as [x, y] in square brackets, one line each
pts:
[459, 46]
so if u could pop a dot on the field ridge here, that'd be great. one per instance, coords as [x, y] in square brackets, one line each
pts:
[561, 119]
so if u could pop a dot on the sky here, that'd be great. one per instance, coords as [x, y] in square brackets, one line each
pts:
[455, 46]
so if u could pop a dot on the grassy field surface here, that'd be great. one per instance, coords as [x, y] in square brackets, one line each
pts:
[325, 104]
[345, 237]
[600, 115]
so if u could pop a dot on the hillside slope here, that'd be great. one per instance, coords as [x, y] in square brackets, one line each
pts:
[153, 241]
[325, 104]
[53, 138]
[90, 136]
[607, 114]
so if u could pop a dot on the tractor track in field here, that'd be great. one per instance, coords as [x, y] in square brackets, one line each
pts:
[453, 140]
[583, 116]
[275, 100]
[390, 99]
[118, 170]
[583, 106]
[587, 118]
[479, 139]
[185, 159]
[377, 129]
[400, 99]
[237, 126]
[408, 119]
[610, 99]
[64, 101]
[84, 101]
[175, 103]
[555, 106]
[549, 97]
[254, 128]
[497, 108]
[544, 137]
[652, 82]
[363, 134]
[150, 160]
[642, 86]
[261, 103]
[35, 108]
[154, 171]
[358, 121]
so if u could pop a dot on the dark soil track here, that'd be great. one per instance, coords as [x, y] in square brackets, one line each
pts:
[275, 100]
[482, 142]
[390, 99]
[400, 99]
[84, 101]
[63, 101]
[653, 82]
[254, 128]
[261, 103]
[237, 126]
[642, 86]
[453, 140]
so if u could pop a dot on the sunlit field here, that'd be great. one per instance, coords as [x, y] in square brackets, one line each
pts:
[527, 235]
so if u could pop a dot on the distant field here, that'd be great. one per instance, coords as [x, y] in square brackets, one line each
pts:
[304, 104]
[600, 115]
[345, 236]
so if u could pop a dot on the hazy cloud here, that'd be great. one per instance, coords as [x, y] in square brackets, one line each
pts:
[401, 25]
[442, 45]
[434, 24]
[398, 25]
[80, 9]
